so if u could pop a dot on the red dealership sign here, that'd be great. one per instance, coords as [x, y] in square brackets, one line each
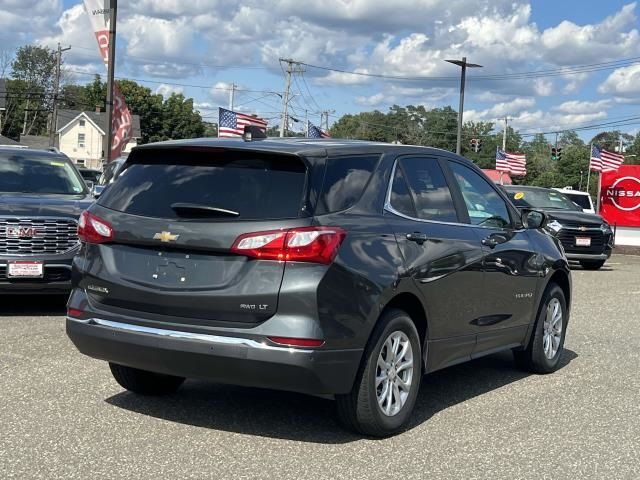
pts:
[620, 196]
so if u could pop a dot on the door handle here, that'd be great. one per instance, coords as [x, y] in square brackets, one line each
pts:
[494, 240]
[417, 237]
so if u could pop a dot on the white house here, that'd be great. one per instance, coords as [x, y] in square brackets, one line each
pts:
[81, 134]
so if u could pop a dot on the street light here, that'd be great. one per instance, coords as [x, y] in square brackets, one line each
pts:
[462, 63]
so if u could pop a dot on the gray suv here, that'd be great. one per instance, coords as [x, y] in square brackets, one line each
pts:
[328, 267]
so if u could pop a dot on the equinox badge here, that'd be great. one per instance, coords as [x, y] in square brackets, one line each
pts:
[165, 237]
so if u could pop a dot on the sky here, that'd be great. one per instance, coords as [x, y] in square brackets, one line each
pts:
[586, 53]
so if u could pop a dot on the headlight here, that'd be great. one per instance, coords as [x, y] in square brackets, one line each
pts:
[554, 225]
[606, 228]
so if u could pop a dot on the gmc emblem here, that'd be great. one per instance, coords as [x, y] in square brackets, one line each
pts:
[21, 232]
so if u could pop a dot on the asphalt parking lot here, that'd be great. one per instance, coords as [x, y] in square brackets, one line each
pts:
[63, 416]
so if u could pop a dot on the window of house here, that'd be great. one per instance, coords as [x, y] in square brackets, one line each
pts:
[80, 162]
[81, 123]
[81, 140]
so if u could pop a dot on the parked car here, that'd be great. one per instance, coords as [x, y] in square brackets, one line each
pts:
[582, 199]
[90, 175]
[340, 268]
[108, 176]
[41, 197]
[586, 237]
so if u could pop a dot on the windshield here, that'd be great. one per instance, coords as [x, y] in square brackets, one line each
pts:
[581, 200]
[549, 199]
[25, 172]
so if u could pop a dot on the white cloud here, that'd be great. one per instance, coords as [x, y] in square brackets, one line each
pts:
[167, 90]
[580, 107]
[374, 100]
[501, 110]
[339, 78]
[21, 20]
[623, 82]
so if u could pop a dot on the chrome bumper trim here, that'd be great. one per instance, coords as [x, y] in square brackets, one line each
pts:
[587, 256]
[201, 337]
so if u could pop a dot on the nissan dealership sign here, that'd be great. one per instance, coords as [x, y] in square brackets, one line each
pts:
[620, 196]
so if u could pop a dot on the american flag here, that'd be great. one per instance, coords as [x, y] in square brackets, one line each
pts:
[231, 124]
[513, 163]
[604, 161]
[315, 132]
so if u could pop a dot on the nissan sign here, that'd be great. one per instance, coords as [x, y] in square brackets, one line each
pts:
[620, 196]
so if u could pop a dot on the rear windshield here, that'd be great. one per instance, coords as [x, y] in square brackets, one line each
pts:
[581, 200]
[253, 186]
[26, 172]
[542, 198]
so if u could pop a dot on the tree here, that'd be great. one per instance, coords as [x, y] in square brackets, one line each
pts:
[34, 70]
[611, 140]
[179, 120]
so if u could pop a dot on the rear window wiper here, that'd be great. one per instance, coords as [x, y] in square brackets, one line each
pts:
[195, 209]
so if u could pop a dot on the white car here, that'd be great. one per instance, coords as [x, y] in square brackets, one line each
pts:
[582, 199]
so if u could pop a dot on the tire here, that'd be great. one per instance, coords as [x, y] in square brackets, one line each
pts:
[359, 410]
[538, 357]
[144, 382]
[592, 264]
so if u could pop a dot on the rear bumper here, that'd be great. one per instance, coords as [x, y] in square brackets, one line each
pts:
[224, 359]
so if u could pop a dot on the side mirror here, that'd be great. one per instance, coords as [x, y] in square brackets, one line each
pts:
[533, 219]
[97, 190]
[89, 184]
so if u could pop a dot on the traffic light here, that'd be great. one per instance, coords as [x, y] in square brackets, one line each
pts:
[559, 154]
[478, 144]
[554, 154]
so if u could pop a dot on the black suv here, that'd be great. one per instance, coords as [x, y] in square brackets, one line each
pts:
[326, 267]
[586, 237]
[41, 197]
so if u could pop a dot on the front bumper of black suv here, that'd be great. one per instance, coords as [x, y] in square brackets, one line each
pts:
[56, 277]
[599, 248]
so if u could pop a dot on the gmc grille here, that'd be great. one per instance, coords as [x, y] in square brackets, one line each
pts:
[52, 236]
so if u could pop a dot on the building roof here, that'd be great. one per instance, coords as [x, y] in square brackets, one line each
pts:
[4, 141]
[495, 176]
[98, 118]
[35, 141]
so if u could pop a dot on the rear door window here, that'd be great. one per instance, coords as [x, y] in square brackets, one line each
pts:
[344, 182]
[254, 186]
[429, 189]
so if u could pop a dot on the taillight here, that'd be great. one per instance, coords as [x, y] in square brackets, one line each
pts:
[297, 342]
[93, 229]
[306, 244]
[75, 313]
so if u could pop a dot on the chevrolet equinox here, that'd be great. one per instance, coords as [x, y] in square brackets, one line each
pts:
[327, 267]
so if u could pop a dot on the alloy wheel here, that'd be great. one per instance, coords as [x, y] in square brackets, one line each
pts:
[394, 373]
[552, 332]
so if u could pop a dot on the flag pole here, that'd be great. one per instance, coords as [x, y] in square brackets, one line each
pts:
[589, 167]
[113, 7]
[599, 190]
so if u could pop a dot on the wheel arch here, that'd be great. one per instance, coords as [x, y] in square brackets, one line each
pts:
[411, 304]
[561, 279]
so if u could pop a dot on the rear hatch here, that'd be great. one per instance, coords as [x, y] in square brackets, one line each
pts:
[175, 215]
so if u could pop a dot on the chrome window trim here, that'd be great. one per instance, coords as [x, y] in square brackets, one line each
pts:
[202, 337]
[389, 208]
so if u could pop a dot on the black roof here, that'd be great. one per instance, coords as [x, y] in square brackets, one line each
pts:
[7, 141]
[26, 152]
[297, 146]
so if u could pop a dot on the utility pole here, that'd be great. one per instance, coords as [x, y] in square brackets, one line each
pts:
[231, 95]
[113, 11]
[56, 91]
[463, 75]
[504, 134]
[292, 67]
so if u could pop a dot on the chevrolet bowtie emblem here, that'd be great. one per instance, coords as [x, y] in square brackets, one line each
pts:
[582, 229]
[165, 237]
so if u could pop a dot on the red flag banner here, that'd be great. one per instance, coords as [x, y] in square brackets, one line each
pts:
[121, 122]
